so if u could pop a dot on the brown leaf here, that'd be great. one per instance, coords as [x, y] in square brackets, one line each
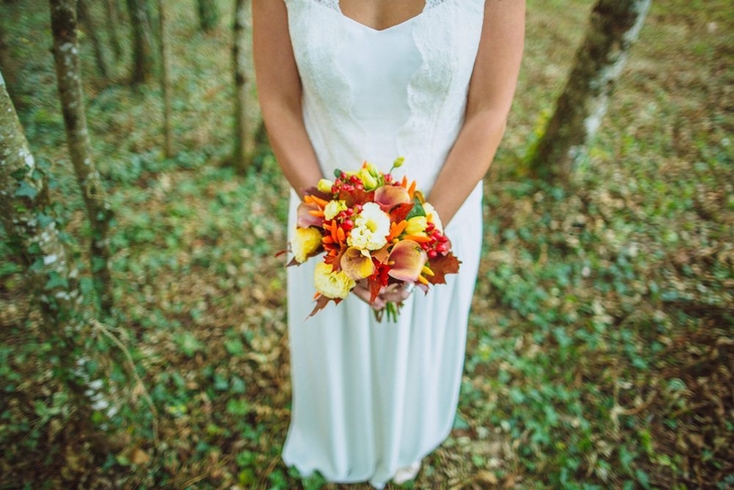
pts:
[399, 212]
[442, 265]
[486, 477]
[139, 457]
[321, 303]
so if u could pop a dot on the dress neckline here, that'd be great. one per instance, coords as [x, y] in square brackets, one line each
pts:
[386, 29]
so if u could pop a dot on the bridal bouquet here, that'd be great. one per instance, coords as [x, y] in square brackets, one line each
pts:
[372, 229]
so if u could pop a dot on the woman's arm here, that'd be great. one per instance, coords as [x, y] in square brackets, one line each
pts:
[490, 95]
[279, 90]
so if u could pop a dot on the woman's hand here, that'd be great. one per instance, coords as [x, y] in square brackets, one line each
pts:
[391, 294]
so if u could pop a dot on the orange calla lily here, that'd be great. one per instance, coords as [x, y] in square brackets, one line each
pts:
[407, 259]
[356, 265]
[389, 196]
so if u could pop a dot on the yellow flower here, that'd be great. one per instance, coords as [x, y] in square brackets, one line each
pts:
[371, 228]
[416, 225]
[331, 284]
[305, 242]
[334, 208]
[325, 185]
[368, 179]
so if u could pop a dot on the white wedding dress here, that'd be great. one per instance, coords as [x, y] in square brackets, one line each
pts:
[368, 397]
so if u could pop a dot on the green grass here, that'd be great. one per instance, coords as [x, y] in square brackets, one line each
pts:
[600, 342]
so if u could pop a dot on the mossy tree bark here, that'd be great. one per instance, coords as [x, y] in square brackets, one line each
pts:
[66, 58]
[615, 26]
[165, 81]
[86, 18]
[30, 226]
[208, 14]
[244, 137]
[142, 41]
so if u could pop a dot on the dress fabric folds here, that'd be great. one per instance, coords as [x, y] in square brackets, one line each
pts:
[369, 397]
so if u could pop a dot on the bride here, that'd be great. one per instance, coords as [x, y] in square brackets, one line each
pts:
[346, 81]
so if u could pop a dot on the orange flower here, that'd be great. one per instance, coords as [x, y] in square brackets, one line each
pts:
[357, 265]
[407, 259]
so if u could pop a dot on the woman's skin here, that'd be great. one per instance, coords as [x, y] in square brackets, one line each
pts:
[491, 90]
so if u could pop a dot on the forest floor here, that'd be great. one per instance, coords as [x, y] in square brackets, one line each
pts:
[601, 342]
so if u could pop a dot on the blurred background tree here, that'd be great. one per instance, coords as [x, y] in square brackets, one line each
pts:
[615, 26]
[99, 212]
[208, 14]
[142, 38]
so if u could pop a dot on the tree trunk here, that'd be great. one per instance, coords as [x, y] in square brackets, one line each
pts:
[91, 32]
[208, 14]
[66, 57]
[8, 63]
[112, 21]
[244, 137]
[142, 41]
[31, 230]
[165, 82]
[615, 26]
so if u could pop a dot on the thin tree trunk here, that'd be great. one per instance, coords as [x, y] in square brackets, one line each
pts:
[112, 21]
[208, 14]
[28, 221]
[142, 41]
[86, 19]
[615, 26]
[66, 57]
[165, 81]
[244, 137]
[8, 64]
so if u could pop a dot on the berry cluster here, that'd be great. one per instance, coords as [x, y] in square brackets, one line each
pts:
[438, 243]
[347, 183]
[344, 218]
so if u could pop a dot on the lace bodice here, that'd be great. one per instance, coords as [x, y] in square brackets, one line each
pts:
[428, 103]
[334, 4]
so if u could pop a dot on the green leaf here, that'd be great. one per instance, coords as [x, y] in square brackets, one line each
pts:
[417, 210]
[238, 385]
[56, 280]
[460, 423]
[86, 284]
[188, 343]
[237, 407]
[26, 190]
[234, 347]
[642, 478]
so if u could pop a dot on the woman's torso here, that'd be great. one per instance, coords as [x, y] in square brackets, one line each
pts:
[376, 95]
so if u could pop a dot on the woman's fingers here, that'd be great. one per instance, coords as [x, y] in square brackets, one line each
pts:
[364, 294]
[392, 294]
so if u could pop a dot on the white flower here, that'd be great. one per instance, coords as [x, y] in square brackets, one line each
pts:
[371, 228]
[331, 284]
[305, 242]
[334, 208]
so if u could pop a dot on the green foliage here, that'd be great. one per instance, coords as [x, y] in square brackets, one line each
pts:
[598, 318]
